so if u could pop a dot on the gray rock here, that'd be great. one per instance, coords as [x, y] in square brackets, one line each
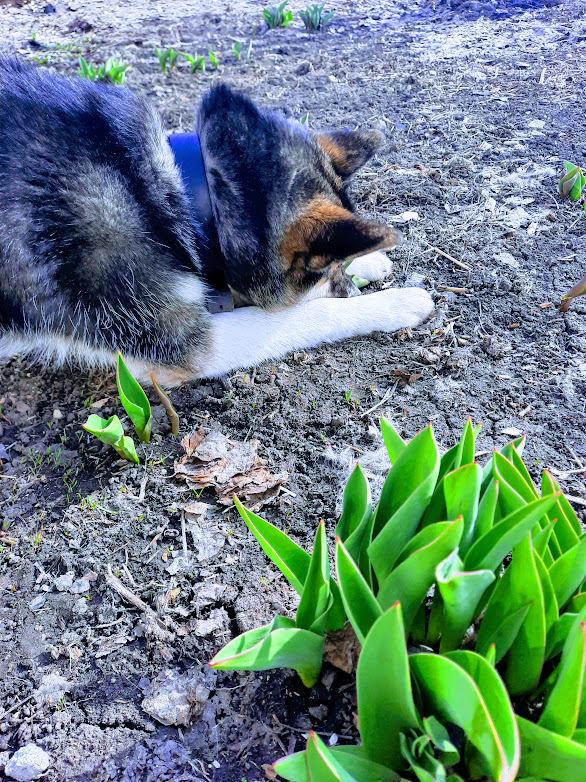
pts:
[175, 699]
[51, 690]
[64, 582]
[28, 763]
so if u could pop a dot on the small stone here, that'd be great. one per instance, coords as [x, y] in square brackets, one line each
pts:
[80, 606]
[303, 68]
[57, 414]
[28, 763]
[62, 583]
[174, 699]
[51, 690]
[81, 585]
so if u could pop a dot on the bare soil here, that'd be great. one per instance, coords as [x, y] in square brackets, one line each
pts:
[479, 103]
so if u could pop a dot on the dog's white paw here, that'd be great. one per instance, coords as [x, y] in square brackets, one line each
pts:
[371, 267]
[397, 308]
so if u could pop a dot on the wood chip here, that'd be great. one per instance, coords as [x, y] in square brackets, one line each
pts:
[452, 290]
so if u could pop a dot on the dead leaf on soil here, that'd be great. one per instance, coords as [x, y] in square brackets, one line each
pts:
[342, 649]
[229, 466]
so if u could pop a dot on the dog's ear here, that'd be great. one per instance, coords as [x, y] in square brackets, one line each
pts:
[327, 232]
[349, 149]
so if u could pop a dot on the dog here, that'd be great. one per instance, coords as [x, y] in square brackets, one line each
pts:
[103, 246]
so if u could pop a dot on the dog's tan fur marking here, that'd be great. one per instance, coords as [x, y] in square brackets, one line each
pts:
[332, 149]
[299, 236]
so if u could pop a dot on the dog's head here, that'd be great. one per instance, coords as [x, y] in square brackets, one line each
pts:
[286, 223]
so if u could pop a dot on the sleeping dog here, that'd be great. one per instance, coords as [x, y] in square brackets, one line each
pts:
[115, 237]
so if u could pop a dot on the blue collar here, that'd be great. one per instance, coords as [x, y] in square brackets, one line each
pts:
[188, 157]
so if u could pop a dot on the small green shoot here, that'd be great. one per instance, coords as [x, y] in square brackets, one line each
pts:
[167, 57]
[314, 18]
[215, 63]
[112, 433]
[347, 395]
[196, 63]
[305, 119]
[237, 49]
[572, 182]
[112, 71]
[277, 16]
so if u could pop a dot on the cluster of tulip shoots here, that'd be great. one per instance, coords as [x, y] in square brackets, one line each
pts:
[136, 404]
[571, 186]
[499, 650]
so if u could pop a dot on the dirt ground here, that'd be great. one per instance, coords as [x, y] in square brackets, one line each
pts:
[479, 103]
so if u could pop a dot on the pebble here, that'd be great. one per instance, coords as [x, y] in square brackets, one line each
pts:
[28, 763]
[174, 699]
[64, 582]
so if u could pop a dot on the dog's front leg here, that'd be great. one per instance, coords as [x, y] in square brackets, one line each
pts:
[250, 335]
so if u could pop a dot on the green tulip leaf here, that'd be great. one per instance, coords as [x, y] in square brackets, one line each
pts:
[558, 634]
[461, 593]
[547, 755]
[134, 401]
[488, 552]
[466, 446]
[440, 738]
[500, 629]
[385, 700]
[394, 442]
[462, 687]
[405, 495]
[356, 504]
[321, 763]
[411, 580]
[527, 654]
[109, 432]
[567, 572]
[350, 758]
[291, 559]
[567, 529]
[361, 605]
[277, 645]
[316, 597]
[485, 518]
[125, 448]
[562, 707]
[462, 493]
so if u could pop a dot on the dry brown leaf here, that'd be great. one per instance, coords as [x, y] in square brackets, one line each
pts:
[191, 441]
[342, 649]
[229, 466]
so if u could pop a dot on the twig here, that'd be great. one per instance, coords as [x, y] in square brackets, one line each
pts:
[155, 623]
[378, 404]
[449, 257]
[355, 448]
[565, 473]
[16, 706]
[452, 290]
[184, 536]
[143, 484]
